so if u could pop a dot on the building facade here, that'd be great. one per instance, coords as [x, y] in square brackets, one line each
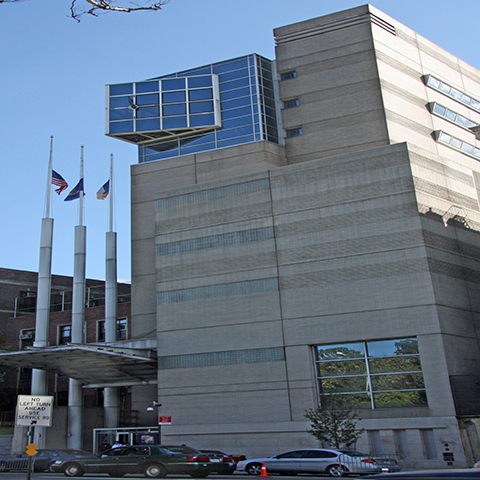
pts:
[307, 229]
[18, 296]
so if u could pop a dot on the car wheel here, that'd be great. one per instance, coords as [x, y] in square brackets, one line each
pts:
[254, 468]
[337, 470]
[154, 470]
[73, 470]
[3, 467]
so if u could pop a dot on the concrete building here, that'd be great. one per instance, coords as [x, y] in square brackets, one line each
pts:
[315, 233]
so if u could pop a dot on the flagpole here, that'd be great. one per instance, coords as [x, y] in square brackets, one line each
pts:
[80, 217]
[111, 194]
[39, 385]
[111, 394]
[49, 178]
[75, 390]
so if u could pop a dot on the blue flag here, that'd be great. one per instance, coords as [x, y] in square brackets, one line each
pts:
[103, 192]
[75, 193]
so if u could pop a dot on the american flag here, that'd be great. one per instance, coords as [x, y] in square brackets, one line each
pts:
[59, 181]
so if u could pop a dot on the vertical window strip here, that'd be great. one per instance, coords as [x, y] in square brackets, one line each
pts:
[212, 194]
[218, 291]
[214, 241]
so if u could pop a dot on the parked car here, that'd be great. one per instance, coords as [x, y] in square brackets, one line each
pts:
[335, 463]
[221, 462]
[237, 457]
[152, 461]
[42, 460]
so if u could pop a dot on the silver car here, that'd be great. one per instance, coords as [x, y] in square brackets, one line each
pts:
[335, 463]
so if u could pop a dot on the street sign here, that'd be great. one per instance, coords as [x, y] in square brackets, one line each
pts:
[34, 410]
[164, 420]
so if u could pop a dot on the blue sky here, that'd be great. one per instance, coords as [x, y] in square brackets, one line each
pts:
[53, 73]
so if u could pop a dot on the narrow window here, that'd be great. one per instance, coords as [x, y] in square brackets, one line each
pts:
[294, 132]
[291, 103]
[288, 75]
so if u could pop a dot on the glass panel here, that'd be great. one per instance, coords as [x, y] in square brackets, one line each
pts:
[150, 99]
[119, 102]
[356, 400]
[202, 120]
[235, 141]
[235, 75]
[455, 93]
[121, 127]
[173, 97]
[451, 115]
[455, 142]
[201, 107]
[346, 384]
[341, 351]
[234, 132]
[237, 112]
[173, 84]
[148, 124]
[462, 120]
[404, 381]
[121, 114]
[175, 109]
[237, 122]
[144, 87]
[235, 103]
[395, 364]
[439, 109]
[242, 82]
[400, 399]
[197, 148]
[121, 89]
[203, 94]
[239, 92]
[432, 81]
[475, 104]
[408, 346]
[467, 148]
[145, 112]
[235, 65]
[444, 88]
[342, 368]
[198, 82]
[175, 122]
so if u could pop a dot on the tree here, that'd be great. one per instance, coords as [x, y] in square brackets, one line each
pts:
[95, 7]
[335, 423]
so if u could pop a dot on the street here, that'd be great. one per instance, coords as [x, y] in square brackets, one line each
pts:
[58, 476]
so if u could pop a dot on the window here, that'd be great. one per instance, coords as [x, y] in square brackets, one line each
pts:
[374, 374]
[451, 92]
[121, 330]
[294, 132]
[452, 116]
[457, 144]
[64, 334]
[291, 103]
[27, 337]
[288, 75]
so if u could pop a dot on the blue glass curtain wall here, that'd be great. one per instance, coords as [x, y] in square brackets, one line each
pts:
[186, 107]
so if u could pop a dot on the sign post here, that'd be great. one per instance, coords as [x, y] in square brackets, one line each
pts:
[33, 411]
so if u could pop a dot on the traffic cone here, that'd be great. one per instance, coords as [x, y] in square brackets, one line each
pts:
[263, 471]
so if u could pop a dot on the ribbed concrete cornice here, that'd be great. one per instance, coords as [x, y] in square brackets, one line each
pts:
[364, 17]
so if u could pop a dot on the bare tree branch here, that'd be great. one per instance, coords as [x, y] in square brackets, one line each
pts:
[98, 6]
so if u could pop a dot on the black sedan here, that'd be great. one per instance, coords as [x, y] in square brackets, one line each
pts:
[42, 460]
[151, 461]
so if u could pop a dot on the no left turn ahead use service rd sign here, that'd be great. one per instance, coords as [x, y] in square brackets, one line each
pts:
[34, 410]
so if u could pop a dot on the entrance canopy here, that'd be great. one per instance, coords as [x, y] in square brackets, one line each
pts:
[92, 365]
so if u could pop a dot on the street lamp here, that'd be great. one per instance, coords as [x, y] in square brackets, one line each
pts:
[151, 408]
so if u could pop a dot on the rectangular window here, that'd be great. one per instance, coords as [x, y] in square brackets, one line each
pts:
[121, 330]
[288, 75]
[291, 103]
[64, 334]
[294, 132]
[374, 374]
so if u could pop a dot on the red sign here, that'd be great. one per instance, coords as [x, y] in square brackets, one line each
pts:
[164, 420]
